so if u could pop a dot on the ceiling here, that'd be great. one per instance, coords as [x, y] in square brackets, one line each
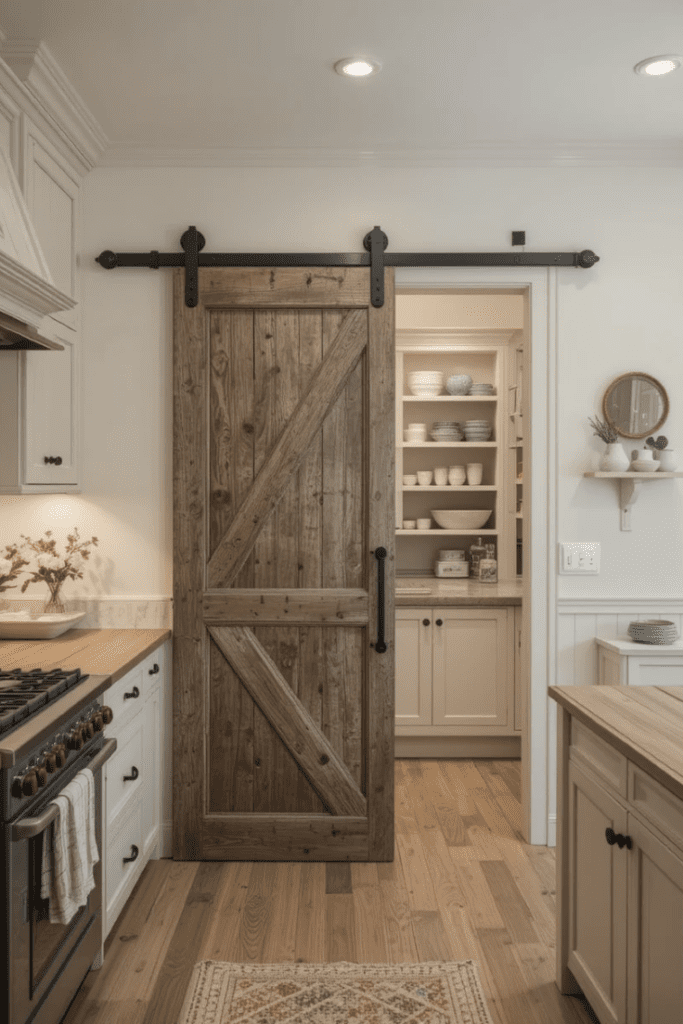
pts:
[457, 74]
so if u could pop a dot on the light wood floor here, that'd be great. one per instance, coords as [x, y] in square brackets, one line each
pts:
[462, 885]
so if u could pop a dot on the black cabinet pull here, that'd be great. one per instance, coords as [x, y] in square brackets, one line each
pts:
[425, 622]
[154, 669]
[439, 622]
[134, 773]
[622, 841]
[52, 460]
[134, 693]
[133, 855]
[381, 646]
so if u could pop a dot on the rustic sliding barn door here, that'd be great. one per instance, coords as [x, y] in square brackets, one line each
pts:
[283, 489]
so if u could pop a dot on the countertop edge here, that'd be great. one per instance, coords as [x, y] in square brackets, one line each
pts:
[140, 656]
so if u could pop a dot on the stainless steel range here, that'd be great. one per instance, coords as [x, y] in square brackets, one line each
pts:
[51, 726]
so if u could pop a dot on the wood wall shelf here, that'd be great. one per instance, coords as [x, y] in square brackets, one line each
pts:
[629, 488]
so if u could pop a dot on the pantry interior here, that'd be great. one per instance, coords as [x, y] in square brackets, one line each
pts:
[460, 689]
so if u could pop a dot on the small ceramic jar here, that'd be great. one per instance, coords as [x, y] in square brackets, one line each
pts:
[488, 570]
[424, 524]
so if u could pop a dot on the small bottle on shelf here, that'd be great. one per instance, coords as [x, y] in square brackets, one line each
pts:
[477, 552]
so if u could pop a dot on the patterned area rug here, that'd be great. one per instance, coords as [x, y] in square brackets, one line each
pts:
[338, 993]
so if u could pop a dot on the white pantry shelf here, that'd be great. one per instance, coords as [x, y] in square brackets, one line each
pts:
[450, 398]
[450, 487]
[437, 531]
[448, 444]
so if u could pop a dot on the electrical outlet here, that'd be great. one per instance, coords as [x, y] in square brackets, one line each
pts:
[579, 557]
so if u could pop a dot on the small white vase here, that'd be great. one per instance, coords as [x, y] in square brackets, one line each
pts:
[615, 459]
[668, 460]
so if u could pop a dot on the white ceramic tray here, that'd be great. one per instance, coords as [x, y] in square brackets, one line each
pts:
[23, 626]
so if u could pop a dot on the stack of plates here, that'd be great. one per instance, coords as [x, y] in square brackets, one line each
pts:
[653, 631]
[477, 430]
[426, 383]
[482, 389]
[446, 430]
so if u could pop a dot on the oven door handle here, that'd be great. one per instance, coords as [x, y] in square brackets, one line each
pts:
[31, 827]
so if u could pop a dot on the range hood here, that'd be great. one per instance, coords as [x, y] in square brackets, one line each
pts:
[27, 293]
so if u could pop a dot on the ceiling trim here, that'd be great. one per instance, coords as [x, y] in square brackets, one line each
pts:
[51, 90]
[580, 154]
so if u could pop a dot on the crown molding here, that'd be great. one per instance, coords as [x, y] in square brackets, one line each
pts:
[53, 93]
[661, 153]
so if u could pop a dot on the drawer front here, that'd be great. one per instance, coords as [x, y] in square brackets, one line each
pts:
[656, 804]
[129, 759]
[125, 698]
[120, 845]
[589, 751]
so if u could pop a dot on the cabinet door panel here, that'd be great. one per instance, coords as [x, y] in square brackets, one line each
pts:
[50, 416]
[414, 666]
[597, 881]
[473, 665]
[655, 938]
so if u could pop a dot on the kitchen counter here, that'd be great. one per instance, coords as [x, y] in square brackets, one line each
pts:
[430, 591]
[107, 652]
[644, 723]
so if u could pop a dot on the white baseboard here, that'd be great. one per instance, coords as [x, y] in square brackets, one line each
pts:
[457, 746]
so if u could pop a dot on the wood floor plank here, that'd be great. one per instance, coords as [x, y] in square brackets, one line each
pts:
[462, 886]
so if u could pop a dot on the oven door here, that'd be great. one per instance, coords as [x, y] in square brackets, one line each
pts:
[49, 961]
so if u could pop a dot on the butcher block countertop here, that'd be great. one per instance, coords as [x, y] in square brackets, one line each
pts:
[645, 723]
[105, 652]
[431, 591]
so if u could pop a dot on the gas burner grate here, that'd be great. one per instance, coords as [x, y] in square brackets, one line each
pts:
[30, 691]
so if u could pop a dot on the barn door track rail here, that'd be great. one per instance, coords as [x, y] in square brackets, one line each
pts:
[376, 257]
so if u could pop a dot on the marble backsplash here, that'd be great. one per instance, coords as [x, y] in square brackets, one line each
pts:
[105, 612]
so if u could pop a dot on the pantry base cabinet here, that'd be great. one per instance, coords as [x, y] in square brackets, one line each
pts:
[620, 862]
[455, 681]
[135, 779]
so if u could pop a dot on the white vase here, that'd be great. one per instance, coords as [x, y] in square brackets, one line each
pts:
[668, 460]
[615, 459]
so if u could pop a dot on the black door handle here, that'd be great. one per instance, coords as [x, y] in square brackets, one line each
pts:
[134, 693]
[381, 646]
[133, 855]
[154, 669]
[134, 773]
[622, 841]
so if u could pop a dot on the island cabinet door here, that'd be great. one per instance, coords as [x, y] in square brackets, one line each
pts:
[655, 930]
[473, 668]
[598, 893]
[414, 665]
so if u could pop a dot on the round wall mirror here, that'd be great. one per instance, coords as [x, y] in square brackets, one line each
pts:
[635, 404]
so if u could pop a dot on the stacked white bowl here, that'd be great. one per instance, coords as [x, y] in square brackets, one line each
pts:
[415, 432]
[425, 383]
[482, 389]
[446, 430]
[477, 430]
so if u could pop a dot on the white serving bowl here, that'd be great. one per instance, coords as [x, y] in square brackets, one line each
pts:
[422, 376]
[461, 518]
[425, 390]
[458, 384]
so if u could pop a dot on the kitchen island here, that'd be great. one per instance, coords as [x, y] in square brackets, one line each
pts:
[620, 850]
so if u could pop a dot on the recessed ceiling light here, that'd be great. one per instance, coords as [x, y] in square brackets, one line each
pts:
[357, 67]
[658, 65]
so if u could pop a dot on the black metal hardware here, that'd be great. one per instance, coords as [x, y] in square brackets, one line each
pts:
[381, 646]
[154, 669]
[134, 773]
[425, 622]
[622, 841]
[52, 460]
[439, 622]
[134, 693]
[134, 854]
[375, 242]
[519, 237]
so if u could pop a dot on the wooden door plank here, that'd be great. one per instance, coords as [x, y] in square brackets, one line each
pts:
[304, 837]
[285, 712]
[290, 449]
[286, 286]
[279, 606]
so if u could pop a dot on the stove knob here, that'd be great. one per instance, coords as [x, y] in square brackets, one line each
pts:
[41, 775]
[97, 722]
[107, 715]
[89, 729]
[51, 761]
[59, 750]
[74, 740]
[17, 787]
[29, 784]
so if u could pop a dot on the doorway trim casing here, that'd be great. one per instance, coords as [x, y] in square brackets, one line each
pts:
[539, 612]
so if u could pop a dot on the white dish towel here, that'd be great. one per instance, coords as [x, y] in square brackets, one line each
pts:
[70, 849]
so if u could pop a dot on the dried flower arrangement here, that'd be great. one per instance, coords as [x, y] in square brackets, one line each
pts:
[11, 565]
[53, 568]
[603, 430]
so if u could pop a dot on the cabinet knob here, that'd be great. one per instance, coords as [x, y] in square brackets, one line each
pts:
[133, 854]
[134, 773]
[154, 669]
[52, 460]
[133, 693]
[439, 622]
[425, 622]
[622, 841]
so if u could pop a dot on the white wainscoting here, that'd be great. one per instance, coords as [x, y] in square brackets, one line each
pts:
[579, 621]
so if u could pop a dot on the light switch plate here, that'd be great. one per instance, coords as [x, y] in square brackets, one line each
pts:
[579, 558]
